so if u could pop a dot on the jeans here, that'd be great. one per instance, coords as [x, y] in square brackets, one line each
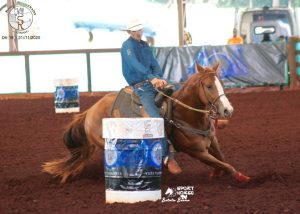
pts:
[147, 94]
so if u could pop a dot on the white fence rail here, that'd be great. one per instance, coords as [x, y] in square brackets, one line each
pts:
[35, 71]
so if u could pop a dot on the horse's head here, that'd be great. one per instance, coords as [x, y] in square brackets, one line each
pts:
[211, 91]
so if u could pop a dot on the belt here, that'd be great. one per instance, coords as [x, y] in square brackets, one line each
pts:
[140, 84]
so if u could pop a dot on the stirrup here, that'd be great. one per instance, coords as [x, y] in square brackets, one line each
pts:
[171, 155]
[165, 161]
[173, 167]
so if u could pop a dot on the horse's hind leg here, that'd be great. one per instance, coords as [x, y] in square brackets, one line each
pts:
[93, 123]
[80, 151]
[81, 138]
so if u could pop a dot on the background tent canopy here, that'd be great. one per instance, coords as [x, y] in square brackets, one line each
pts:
[90, 26]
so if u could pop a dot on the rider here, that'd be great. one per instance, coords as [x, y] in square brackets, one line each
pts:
[142, 71]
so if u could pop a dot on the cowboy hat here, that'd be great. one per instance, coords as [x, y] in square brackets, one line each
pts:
[134, 24]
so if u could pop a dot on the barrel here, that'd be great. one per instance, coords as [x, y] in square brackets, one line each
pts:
[66, 96]
[133, 159]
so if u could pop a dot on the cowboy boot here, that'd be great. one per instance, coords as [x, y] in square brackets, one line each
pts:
[170, 161]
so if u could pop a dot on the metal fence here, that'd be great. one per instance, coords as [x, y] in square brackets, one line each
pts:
[35, 71]
[100, 70]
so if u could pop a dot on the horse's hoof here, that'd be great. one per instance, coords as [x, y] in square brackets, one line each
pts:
[240, 177]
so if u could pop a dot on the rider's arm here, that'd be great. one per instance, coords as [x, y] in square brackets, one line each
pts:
[130, 58]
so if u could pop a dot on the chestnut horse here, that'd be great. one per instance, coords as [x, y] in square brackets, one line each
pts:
[192, 130]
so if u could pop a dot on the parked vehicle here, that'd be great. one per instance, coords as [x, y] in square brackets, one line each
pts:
[278, 22]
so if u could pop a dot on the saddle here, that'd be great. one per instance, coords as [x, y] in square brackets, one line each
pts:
[128, 104]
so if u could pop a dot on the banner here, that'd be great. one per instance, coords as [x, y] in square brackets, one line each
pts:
[241, 65]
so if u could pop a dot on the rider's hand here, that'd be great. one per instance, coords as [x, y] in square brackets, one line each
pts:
[158, 83]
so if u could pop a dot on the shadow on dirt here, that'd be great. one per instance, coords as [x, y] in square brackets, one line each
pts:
[259, 180]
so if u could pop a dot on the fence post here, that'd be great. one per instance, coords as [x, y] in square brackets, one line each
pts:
[89, 75]
[27, 70]
[294, 61]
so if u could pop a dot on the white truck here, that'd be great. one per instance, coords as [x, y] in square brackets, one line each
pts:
[277, 22]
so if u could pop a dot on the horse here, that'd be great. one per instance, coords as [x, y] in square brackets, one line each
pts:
[195, 106]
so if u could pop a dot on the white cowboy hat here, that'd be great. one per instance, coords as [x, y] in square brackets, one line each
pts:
[134, 24]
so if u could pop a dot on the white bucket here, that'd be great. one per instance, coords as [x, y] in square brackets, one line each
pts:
[133, 159]
[66, 96]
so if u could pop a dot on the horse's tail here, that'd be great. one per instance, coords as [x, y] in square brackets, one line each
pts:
[80, 151]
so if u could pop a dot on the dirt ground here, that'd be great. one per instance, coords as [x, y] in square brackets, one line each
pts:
[262, 140]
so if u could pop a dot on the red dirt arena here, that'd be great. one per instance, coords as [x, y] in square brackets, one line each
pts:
[262, 140]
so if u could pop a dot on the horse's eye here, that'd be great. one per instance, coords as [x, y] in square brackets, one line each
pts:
[209, 87]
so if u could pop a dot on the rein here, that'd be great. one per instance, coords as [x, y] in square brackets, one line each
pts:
[178, 125]
[181, 103]
[212, 114]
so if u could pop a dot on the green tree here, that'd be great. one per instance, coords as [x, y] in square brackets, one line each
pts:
[296, 3]
[255, 3]
[262, 3]
[232, 3]
[284, 3]
[237, 3]
[244, 3]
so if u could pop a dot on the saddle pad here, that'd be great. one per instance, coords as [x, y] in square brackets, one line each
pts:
[124, 106]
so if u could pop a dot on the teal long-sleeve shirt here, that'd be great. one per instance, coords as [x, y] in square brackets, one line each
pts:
[138, 62]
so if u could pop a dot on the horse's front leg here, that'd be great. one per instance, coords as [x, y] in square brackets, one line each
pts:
[210, 160]
[214, 148]
[215, 151]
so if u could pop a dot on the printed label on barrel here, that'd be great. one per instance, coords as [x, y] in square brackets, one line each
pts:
[66, 97]
[133, 164]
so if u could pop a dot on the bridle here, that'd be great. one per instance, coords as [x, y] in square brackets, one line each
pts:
[212, 112]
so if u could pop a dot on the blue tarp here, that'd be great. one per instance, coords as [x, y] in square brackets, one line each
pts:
[241, 65]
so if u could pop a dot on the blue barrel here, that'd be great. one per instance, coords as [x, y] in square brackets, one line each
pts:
[66, 96]
[133, 159]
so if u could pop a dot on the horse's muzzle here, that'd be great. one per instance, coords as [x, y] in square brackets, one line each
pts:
[228, 112]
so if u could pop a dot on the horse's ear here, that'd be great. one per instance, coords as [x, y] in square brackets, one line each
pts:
[199, 68]
[216, 66]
